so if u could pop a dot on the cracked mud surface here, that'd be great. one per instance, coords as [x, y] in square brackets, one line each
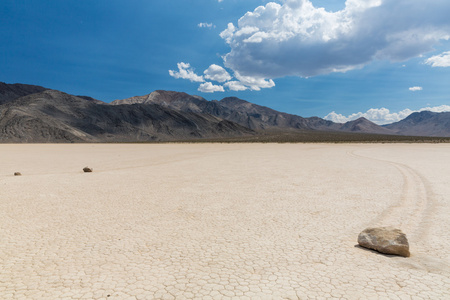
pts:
[222, 221]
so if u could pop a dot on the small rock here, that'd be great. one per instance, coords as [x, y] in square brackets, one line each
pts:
[387, 240]
[88, 170]
[17, 174]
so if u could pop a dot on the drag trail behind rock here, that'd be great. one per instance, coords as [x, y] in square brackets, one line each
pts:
[413, 214]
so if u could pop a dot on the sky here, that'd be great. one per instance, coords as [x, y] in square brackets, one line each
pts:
[335, 59]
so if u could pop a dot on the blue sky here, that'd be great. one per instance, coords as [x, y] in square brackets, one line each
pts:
[381, 59]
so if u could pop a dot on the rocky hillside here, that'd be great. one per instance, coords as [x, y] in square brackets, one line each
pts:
[256, 117]
[35, 114]
[10, 92]
[425, 123]
[365, 126]
[247, 114]
[54, 116]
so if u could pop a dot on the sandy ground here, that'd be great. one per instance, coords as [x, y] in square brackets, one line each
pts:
[222, 221]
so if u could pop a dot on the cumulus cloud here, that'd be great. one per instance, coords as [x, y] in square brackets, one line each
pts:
[217, 73]
[415, 88]
[377, 115]
[208, 87]
[228, 33]
[235, 86]
[441, 60]
[383, 115]
[253, 82]
[186, 72]
[295, 38]
[206, 25]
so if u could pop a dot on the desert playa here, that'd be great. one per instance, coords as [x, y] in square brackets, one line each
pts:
[222, 221]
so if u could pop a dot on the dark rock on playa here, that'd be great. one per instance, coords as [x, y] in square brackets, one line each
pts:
[17, 174]
[88, 170]
[387, 240]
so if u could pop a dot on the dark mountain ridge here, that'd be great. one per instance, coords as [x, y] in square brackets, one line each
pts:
[53, 116]
[35, 114]
[253, 116]
[10, 92]
[364, 125]
[424, 123]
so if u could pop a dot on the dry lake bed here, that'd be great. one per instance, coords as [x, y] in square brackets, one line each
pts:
[222, 221]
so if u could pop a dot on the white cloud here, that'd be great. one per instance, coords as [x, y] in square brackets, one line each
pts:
[206, 25]
[254, 83]
[295, 38]
[228, 33]
[217, 73]
[382, 116]
[235, 86]
[208, 87]
[441, 60]
[186, 72]
[377, 115]
[415, 88]
[337, 118]
[441, 108]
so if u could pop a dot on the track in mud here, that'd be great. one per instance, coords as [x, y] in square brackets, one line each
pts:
[412, 212]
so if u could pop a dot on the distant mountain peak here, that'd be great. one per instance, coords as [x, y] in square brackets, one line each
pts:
[161, 97]
[232, 99]
[417, 117]
[171, 95]
[10, 92]
[362, 119]
[363, 125]
[424, 123]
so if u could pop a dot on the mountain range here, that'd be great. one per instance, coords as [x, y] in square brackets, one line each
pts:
[31, 113]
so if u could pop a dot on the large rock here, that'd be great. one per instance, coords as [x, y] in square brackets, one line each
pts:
[87, 170]
[388, 240]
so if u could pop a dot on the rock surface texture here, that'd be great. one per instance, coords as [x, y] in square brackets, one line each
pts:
[387, 240]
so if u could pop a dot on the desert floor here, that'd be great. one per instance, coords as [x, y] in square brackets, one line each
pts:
[222, 221]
